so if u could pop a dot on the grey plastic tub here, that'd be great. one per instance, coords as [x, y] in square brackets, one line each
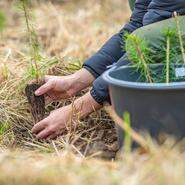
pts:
[156, 108]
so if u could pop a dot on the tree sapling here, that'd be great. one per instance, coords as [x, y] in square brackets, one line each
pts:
[37, 103]
[138, 52]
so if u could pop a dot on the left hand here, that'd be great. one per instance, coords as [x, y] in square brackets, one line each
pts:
[52, 126]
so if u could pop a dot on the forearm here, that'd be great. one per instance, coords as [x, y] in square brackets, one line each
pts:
[81, 80]
[84, 106]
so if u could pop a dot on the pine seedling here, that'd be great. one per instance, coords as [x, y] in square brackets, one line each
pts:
[168, 60]
[139, 53]
[33, 41]
[179, 35]
[37, 103]
[169, 34]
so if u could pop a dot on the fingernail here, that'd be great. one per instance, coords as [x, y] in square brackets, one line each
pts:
[37, 92]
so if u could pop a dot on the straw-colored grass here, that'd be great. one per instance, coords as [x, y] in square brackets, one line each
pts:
[69, 32]
[164, 167]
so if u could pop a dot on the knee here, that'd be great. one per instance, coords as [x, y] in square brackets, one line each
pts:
[156, 29]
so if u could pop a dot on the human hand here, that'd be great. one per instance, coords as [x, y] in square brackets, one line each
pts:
[52, 126]
[63, 87]
[56, 88]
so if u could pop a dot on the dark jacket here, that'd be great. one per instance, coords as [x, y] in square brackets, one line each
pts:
[145, 12]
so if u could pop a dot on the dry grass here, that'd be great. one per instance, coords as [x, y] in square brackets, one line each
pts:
[163, 167]
[69, 32]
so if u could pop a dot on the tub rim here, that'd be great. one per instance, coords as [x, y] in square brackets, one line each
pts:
[140, 85]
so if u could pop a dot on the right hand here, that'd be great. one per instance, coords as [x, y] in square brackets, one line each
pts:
[56, 88]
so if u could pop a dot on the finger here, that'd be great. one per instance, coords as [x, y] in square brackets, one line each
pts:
[48, 77]
[39, 126]
[44, 88]
[44, 134]
[53, 136]
[42, 80]
[57, 133]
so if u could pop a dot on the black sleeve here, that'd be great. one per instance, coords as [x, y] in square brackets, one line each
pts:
[100, 87]
[113, 50]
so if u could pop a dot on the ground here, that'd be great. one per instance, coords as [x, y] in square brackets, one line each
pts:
[69, 32]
